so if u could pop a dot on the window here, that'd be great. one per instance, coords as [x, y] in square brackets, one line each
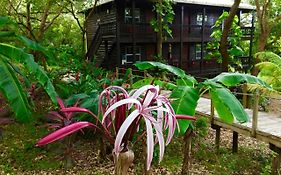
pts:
[129, 15]
[129, 55]
[198, 50]
[199, 18]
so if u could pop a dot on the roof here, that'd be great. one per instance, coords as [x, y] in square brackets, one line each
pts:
[218, 3]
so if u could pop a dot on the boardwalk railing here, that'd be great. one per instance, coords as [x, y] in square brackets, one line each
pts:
[262, 125]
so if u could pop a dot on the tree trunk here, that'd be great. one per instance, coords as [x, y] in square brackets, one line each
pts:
[123, 162]
[262, 41]
[261, 47]
[186, 152]
[225, 33]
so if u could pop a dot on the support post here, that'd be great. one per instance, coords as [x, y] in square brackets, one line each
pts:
[116, 72]
[118, 57]
[134, 30]
[255, 114]
[252, 38]
[145, 73]
[244, 91]
[181, 36]
[235, 142]
[202, 39]
[212, 112]
[276, 161]
[218, 135]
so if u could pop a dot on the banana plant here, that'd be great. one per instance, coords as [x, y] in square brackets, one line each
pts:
[10, 57]
[187, 92]
[270, 69]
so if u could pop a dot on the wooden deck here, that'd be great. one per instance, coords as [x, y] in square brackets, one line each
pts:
[266, 127]
[268, 124]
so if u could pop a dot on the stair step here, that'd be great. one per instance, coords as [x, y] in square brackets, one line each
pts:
[108, 37]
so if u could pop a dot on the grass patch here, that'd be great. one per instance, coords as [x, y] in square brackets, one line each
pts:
[18, 152]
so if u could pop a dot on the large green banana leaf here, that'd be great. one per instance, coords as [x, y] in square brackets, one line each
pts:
[184, 101]
[226, 104]
[234, 79]
[11, 88]
[145, 65]
[12, 52]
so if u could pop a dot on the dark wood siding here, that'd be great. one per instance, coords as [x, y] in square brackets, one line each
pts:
[104, 14]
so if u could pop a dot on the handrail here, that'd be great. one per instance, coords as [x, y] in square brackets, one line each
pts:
[90, 52]
[103, 29]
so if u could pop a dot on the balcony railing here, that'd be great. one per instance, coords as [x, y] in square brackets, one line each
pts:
[188, 31]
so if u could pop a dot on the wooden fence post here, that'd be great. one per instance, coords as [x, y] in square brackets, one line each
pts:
[276, 161]
[116, 72]
[216, 127]
[244, 90]
[255, 114]
[212, 112]
[145, 73]
[235, 142]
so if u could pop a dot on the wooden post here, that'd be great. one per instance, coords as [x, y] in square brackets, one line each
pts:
[212, 112]
[276, 161]
[181, 37]
[117, 72]
[235, 142]
[218, 135]
[244, 90]
[255, 114]
[145, 73]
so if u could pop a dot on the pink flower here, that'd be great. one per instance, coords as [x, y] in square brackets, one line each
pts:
[145, 103]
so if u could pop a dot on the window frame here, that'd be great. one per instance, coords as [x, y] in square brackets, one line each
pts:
[199, 19]
[129, 53]
[128, 15]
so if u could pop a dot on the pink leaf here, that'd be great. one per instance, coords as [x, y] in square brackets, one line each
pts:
[123, 129]
[61, 133]
[120, 103]
[160, 137]
[60, 102]
[149, 142]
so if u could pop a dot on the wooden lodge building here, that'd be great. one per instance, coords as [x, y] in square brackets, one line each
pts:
[119, 33]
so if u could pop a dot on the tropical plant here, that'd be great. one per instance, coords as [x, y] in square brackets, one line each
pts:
[234, 40]
[161, 25]
[187, 92]
[270, 69]
[123, 116]
[10, 84]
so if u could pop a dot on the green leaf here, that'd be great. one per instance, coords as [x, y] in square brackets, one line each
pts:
[226, 104]
[177, 71]
[234, 79]
[34, 46]
[6, 34]
[185, 100]
[236, 51]
[12, 89]
[18, 54]
[4, 20]
[147, 81]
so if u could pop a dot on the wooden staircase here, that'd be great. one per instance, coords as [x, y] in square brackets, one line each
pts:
[103, 43]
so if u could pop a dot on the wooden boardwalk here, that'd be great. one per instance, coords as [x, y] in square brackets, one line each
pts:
[265, 127]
